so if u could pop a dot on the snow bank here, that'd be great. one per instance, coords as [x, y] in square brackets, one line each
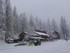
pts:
[59, 46]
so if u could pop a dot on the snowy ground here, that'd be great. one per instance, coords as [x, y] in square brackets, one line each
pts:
[59, 46]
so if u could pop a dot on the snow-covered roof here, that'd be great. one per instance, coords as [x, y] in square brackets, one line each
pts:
[33, 35]
[40, 33]
[36, 38]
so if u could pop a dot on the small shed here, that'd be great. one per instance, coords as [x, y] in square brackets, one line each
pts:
[18, 39]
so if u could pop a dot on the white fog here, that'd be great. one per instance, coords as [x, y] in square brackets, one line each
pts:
[34, 26]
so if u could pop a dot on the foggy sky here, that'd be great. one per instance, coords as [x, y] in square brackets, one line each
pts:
[44, 8]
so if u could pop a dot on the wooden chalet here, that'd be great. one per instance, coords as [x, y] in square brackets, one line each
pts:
[43, 35]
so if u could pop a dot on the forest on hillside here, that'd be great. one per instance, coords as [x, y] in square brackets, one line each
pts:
[12, 23]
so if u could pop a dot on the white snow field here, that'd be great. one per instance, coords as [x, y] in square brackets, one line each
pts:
[60, 46]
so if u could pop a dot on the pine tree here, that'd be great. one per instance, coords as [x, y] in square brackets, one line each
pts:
[38, 24]
[2, 20]
[54, 26]
[16, 24]
[24, 22]
[9, 20]
[31, 21]
[64, 28]
[48, 27]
